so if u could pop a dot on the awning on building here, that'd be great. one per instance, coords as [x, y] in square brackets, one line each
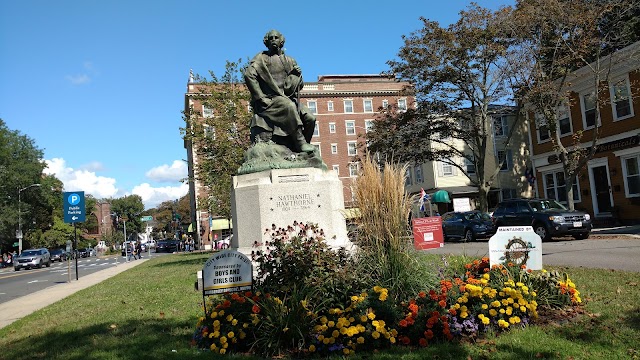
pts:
[440, 196]
[190, 229]
[220, 224]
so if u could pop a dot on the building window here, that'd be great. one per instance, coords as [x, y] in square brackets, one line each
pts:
[207, 112]
[631, 170]
[336, 168]
[508, 194]
[385, 104]
[500, 126]
[407, 177]
[402, 104]
[368, 105]
[542, 129]
[334, 148]
[418, 171]
[368, 125]
[621, 99]
[348, 106]
[469, 165]
[209, 132]
[316, 130]
[352, 148]
[507, 163]
[317, 146]
[330, 106]
[564, 120]
[556, 188]
[351, 127]
[447, 169]
[588, 104]
[332, 128]
[353, 169]
[313, 106]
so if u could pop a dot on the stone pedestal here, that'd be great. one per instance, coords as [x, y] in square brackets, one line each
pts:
[282, 196]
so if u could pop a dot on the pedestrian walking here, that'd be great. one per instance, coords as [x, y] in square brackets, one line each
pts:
[130, 250]
[139, 249]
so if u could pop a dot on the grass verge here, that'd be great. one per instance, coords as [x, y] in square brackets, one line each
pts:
[150, 312]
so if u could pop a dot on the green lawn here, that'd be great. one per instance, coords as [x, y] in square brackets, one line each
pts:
[150, 312]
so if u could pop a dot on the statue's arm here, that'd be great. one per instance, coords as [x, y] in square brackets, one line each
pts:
[253, 83]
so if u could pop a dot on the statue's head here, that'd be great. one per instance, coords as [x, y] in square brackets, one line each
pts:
[273, 40]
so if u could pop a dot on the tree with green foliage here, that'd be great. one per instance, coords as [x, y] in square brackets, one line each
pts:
[21, 165]
[128, 209]
[219, 138]
[561, 42]
[458, 75]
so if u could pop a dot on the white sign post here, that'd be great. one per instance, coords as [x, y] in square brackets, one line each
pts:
[518, 245]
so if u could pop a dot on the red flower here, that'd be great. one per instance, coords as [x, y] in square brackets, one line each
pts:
[422, 295]
[405, 340]
[423, 342]
[403, 323]
[428, 334]
[255, 309]
[442, 303]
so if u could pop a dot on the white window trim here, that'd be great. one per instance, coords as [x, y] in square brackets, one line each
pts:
[316, 130]
[624, 78]
[558, 112]
[334, 147]
[508, 162]
[332, 128]
[624, 172]
[352, 166]
[442, 165]
[418, 174]
[368, 125]
[329, 105]
[583, 110]
[347, 127]
[555, 186]
[385, 103]
[316, 107]
[364, 106]
[406, 104]
[317, 144]
[204, 113]
[336, 168]
[504, 124]
[539, 121]
[349, 148]
[344, 104]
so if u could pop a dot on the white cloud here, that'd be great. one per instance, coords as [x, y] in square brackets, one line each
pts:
[165, 173]
[93, 166]
[153, 196]
[102, 187]
[78, 79]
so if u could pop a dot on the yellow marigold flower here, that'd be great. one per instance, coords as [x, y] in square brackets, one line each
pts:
[230, 334]
[392, 340]
[229, 317]
[343, 330]
[210, 335]
[214, 314]
[234, 322]
[303, 303]
[335, 333]
[509, 310]
[519, 284]
[501, 311]
[354, 298]
[383, 296]
[332, 311]
[485, 320]
[312, 348]
[326, 341]
[351, 319]
[371, 316]
[331, 324]
[523, 309]
[363, 318]
[375, 323]
[486, 291]
[485, 306]
[323, 320]
[285, 329]
[377, 288]
[503, 324]
[221, 313]
[345, 351]
[216, 323]
[375, 335]
[223, 340]
[216, 334]
[223, 351]
[320, 337]
[213, 347]
[493, 312]
[464, 315]
[514, 320]
[486, 276]
[360, 340]
[242, 335]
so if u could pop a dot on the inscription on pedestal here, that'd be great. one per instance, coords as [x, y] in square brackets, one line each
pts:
[289, 202]
[293, 178]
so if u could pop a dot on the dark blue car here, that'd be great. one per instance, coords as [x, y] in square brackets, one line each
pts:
[467, 226]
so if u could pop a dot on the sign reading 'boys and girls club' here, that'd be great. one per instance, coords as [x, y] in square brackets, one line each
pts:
[227, 271]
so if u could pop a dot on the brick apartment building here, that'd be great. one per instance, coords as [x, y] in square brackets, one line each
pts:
[609, 187]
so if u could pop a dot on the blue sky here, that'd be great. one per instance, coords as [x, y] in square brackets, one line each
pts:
[99, 85]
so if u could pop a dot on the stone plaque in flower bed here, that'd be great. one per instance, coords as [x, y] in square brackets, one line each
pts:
[227, 271]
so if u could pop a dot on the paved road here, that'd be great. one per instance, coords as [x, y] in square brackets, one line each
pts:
[15, 284]
[595, 252]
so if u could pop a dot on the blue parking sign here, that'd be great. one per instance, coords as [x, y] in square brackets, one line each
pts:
[73, 207]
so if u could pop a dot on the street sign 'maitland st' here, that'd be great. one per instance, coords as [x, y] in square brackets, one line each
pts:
[73, 207]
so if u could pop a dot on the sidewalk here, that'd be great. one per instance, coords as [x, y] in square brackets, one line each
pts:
[18, 308]
[629, 230]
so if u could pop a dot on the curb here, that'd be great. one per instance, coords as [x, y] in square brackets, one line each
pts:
[16, 309]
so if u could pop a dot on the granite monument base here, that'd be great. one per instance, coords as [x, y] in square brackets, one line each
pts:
[281, 196]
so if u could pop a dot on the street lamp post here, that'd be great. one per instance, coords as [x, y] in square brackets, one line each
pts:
[19, 234]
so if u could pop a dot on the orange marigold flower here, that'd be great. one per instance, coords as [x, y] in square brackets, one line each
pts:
[428, 334]
[226, 304]
[467, 266]
[405, 340]
[487, 270]
[442, 303]
[510, 264]
[403, 323]
[523, 266]
[248, 294]
[255, 309]
[453, 311]
[413, 308]
[485, 259]
[422, 295]
[423, 342]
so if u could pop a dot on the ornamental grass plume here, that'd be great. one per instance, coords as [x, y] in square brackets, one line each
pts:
[385, 247]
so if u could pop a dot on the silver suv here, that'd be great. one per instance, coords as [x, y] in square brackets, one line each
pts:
[32, 258]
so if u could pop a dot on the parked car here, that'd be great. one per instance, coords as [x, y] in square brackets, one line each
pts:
[32, 258]
[123, 249]
[468, 225]
[548, 217]
[91, 252]
[167, 246]
[82, 253]
[58, 255]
